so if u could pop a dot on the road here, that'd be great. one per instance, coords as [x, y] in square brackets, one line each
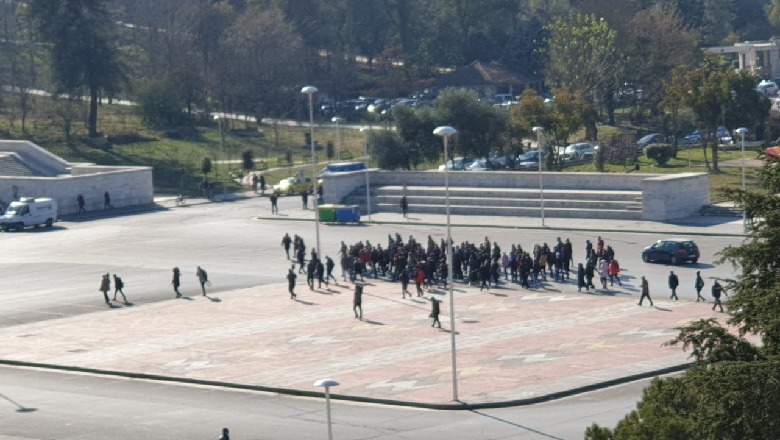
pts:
[55, 273]
[38, 405]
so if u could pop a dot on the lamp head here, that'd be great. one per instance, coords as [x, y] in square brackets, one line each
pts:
[444, 131]
[336, 119]
[327, 383]
[309, 90]
[538, 129]
[216, 117]
[742, 130]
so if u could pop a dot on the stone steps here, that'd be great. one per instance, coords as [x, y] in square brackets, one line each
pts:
[521, 202]
[11, 165]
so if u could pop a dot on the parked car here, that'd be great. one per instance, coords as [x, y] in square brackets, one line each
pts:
[653, 138]
[292, 185]
[480, 165]
[457, 164]
[528, 161]
[724, 135]
[671, 250]
[579, 151]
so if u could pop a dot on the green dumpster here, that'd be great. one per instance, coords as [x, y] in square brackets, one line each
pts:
[327, 213]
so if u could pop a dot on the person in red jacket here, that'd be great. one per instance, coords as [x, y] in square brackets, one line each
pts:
[419, 279]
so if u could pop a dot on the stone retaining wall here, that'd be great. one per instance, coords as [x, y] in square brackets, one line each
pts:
[127, 186]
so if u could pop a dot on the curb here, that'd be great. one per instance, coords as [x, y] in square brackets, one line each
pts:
[360, 399]
[535, 228]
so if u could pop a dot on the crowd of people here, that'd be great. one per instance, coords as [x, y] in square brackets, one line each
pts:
[484, 264]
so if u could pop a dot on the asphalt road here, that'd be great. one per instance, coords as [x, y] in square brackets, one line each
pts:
[53, 273]
[38, 405]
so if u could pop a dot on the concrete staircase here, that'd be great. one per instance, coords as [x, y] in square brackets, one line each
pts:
[12, 165]
[521, 202]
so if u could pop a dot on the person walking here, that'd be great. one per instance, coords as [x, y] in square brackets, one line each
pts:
[329, 265]
[255, 181]
[419, 279]
[118, 285]
[81, 203]
[105, 286]
[286, 242]
[305, 199]
[291, 283]
[717, 289]
[107, 201]
[404, 206]
[404, 278]
[603, 273]
[673, 283]
[321, 275]
[176, 281]
[435, 312]
[311, 271]
[274, 198]
[581, 278]
[699, 284]
[203, 278]
[614, 272]
[262, 185]
[357, 301]
[645, 292]
[225, 434]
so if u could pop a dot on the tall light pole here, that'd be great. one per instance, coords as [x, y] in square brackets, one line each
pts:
[539, 131]
[338, 120]
[365, 131]
[327, 383]
[311, 90]
[742, 131]
[446, 132]
[221, 140]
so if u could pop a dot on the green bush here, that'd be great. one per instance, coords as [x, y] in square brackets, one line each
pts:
[660, 153]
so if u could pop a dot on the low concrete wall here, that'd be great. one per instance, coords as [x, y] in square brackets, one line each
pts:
[127, 186]
[664, 197]
[673, 196]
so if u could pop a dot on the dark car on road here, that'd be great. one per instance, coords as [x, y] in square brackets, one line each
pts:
[671, 250]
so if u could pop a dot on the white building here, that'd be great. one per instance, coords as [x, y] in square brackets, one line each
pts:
[759, 57]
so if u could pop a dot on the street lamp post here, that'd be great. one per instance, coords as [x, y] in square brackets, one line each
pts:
[311, 90]
[539, 150]
[338, 120]
[445, 132]
[221, 149]
[742, 131]
[365, 131]
[327, 383]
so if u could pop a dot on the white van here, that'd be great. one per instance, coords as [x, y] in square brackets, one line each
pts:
[29, 211]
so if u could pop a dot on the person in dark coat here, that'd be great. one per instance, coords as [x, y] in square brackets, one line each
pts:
[699, 285]
[435, 312]
[225, 434]
[674, 281]
[321, 275]
[254, 183]
[404, 277]
[581, 279]
[357, 301]
[305, 199]
[329, 265]
[118, 285]
[717, 289]
[645, 292]
[274, 207]
[107, 201]
[262, 184]
[311, 270]
[404, 206]
[176, 281]
[203, 278]
[286, 242]
[291, 283]
[105, 286]
[81, 202]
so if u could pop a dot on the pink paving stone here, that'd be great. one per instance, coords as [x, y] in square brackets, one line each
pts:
[259, 334]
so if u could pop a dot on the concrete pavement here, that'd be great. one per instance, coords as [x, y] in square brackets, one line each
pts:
[514, 345]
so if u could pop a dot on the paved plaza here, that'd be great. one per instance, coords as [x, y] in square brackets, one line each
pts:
[513, 345]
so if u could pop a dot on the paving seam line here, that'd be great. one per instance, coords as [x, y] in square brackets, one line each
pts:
[360, 399]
